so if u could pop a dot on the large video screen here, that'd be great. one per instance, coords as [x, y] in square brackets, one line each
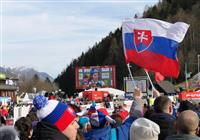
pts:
[95, 76]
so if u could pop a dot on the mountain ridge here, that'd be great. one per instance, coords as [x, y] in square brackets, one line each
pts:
[24, 73]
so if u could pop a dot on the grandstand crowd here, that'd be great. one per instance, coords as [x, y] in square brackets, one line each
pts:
[52, 119]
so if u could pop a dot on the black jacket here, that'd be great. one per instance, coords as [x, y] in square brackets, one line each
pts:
[45, 131]
[166, 123]
[182, 137]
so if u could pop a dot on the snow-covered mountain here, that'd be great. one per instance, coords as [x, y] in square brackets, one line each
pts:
[23, 72]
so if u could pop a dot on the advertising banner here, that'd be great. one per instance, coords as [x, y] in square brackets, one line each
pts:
[189, 95]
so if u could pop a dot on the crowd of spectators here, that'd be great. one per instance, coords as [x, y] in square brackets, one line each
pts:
[53, 119]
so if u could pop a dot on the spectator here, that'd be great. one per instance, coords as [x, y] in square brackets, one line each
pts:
[121, 132]
[8, 133]
[144, 129]
[24, 128]
[106, 101]
[2, 120]
[57, 120]
[75, 107]
[32, 116]
[185, 105]
[4, 111]
[150, 100]
[118, 120]
[163, 116]
[84, 123]
[146, 108]
[123, 114]
[99, 118]
[149, 111]
[187, 126]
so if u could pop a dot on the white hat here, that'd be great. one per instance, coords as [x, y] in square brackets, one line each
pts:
[144, 129]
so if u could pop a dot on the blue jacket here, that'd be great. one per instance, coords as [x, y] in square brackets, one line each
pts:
[105, 133]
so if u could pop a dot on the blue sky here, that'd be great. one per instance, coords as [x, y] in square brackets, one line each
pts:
[46, 35]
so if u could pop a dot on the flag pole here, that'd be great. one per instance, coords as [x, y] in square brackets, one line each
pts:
[186, 81]
[128, 65]
[149, 79]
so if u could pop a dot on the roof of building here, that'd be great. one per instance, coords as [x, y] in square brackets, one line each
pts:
[166, 87]
[8, 87]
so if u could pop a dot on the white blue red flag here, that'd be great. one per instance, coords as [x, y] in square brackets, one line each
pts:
[152, 44]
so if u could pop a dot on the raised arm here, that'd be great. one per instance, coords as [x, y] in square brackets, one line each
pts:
[137, 105]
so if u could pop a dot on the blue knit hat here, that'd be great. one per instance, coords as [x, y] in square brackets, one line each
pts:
[83, 121]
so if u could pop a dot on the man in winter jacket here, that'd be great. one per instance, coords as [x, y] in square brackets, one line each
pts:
[163, 116]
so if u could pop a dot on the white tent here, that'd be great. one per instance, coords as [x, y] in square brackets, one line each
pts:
[112, 91]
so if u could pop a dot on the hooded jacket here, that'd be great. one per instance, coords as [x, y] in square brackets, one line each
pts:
[105, 133]
[99, 134]
[122, 131]
[45, 131]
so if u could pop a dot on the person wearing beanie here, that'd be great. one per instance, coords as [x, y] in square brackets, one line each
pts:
[123, 114]
[185, 105]
[84, 123]
[144, 129]
[57, 120]
[99, 118]
[120, 132]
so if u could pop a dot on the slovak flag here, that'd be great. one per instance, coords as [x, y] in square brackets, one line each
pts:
[152, 44]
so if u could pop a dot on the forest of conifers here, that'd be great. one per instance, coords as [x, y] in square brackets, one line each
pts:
[109, 51]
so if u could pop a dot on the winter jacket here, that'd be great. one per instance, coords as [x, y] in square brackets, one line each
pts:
[99, 134]
[45, 131]
[182, 137]
[122, 132]
[166, 123]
